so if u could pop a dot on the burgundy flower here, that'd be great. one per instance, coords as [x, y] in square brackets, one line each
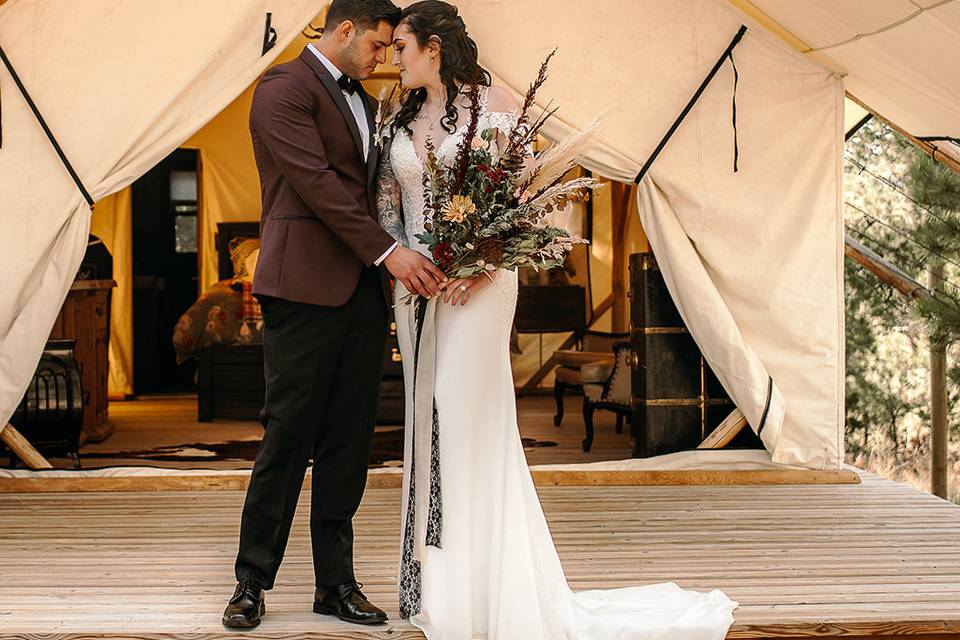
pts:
[495, 175]
[443, 255]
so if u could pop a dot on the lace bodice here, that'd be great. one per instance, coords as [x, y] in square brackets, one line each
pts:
[400, 183]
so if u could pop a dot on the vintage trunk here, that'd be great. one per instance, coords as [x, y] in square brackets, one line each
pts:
[677, 399]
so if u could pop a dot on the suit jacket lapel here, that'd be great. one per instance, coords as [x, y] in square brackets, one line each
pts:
[334, 90]
[373, 151]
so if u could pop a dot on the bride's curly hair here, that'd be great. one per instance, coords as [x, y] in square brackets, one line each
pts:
[458, 59]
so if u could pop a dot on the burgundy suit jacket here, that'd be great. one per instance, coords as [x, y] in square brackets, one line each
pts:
[319, 223]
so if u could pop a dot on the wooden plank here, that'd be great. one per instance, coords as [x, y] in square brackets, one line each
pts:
[725, 431]
[570, 357]
[93, 285]
[393, 480]
[692, 477]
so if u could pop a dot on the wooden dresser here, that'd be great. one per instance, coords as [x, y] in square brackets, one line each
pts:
[85, 317]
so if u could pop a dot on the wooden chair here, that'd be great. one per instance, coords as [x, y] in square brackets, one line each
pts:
[607, 387]
[593, 346]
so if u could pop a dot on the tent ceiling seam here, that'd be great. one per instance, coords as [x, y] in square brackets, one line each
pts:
[893, 25]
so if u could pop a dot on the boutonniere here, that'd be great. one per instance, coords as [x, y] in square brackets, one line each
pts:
[383, 118]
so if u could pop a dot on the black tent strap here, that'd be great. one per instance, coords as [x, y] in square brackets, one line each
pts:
[269, 35]
[940, 139]
[46, 129]
[736, 142]
[935, 149]
[728, 53]
[766, 406]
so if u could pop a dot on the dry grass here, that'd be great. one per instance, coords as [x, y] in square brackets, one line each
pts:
[908, 464]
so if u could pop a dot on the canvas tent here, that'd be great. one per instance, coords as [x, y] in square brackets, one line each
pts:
[119, 98]
[753, 258]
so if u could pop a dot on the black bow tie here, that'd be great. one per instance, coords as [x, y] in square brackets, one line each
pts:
[348, 84]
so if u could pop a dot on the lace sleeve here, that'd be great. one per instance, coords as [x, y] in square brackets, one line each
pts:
[504, 122]
[389, 204]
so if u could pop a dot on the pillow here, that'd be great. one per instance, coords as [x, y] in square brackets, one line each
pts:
[250, 264]
[240, 249]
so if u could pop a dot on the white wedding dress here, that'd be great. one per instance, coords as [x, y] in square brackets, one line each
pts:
[490, 569]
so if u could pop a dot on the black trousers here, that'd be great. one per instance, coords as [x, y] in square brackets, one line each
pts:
[322, 368]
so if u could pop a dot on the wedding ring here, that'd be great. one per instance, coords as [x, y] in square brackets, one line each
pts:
[463, 287]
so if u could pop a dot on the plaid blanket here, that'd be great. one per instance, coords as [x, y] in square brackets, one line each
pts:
[249, 307]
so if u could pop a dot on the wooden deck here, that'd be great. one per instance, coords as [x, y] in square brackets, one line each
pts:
[858, 560]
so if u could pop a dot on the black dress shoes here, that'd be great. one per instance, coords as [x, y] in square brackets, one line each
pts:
[245, 608]
[348, 603]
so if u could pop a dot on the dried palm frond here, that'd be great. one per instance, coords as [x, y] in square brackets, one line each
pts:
[574, 186]
[552, 164]
[522, 132]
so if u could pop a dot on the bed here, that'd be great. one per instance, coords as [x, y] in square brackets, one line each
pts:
[230, 373]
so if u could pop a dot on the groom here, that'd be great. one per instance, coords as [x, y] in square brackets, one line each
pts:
[324, 297]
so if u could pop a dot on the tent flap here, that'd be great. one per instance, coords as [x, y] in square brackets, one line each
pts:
[753, 258]
[119, 99]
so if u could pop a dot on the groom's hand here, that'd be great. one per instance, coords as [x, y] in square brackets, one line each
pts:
[415, 271]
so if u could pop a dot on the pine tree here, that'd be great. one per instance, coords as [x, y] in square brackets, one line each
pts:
[935, 191]
[906, 207]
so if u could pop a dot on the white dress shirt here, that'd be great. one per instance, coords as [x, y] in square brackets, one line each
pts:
[355, 101]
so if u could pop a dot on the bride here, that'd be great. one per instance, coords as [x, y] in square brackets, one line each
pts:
[477, 559]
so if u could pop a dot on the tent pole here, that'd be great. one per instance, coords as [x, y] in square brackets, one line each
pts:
[22, 448]
[621, 206]
[725, 432]
[883, 270]
[938, 402]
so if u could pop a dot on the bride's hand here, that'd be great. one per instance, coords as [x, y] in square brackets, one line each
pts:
[459, 290]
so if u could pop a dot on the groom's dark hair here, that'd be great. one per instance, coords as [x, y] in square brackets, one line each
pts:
[364, 14]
